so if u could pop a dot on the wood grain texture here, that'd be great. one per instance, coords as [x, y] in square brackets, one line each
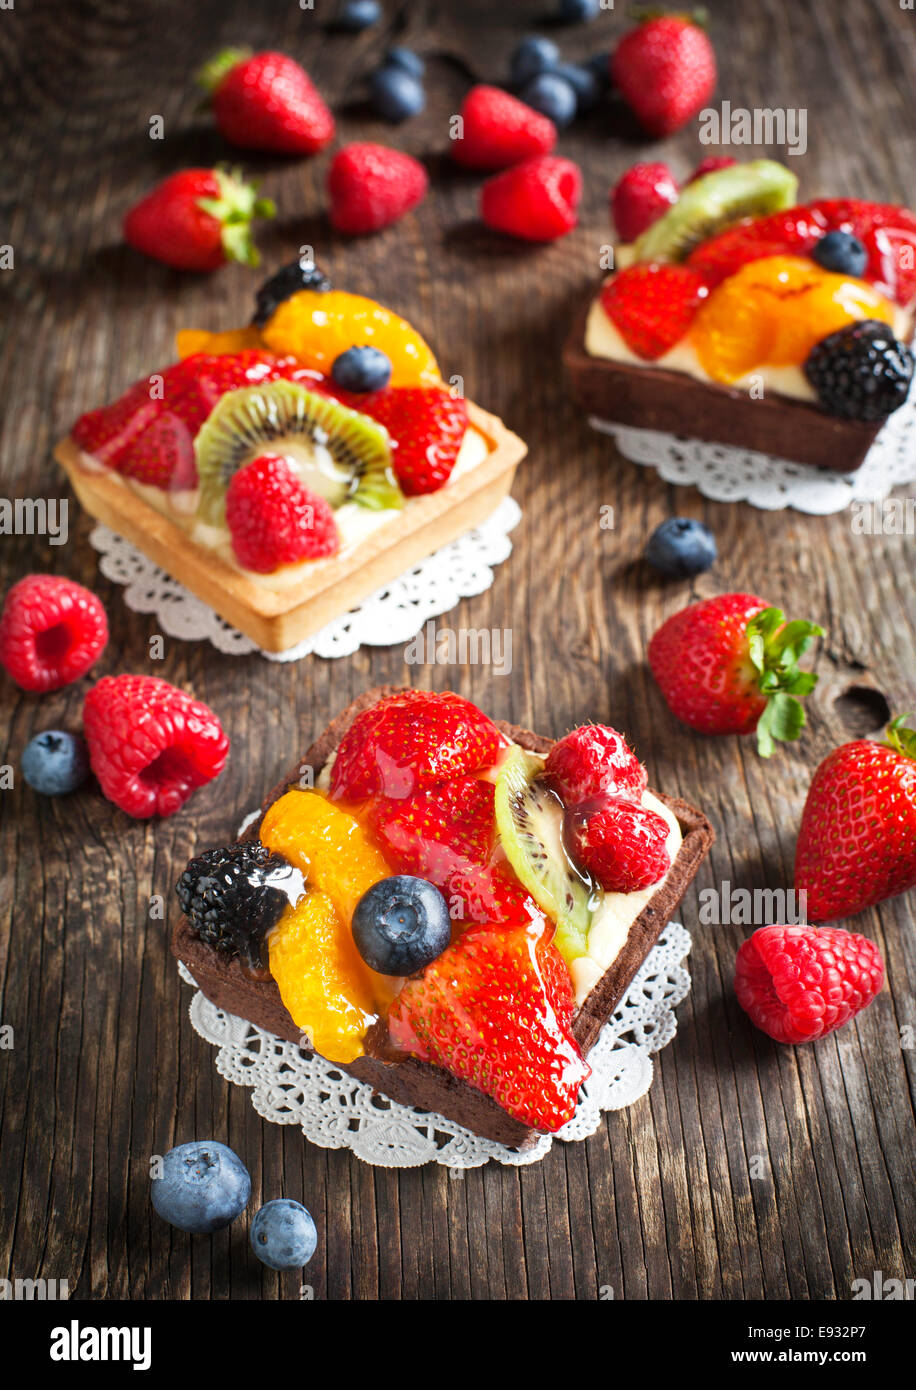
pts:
[748, 1170]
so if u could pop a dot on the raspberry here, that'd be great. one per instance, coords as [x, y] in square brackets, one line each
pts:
[52, 631]
[623, 845]
[640, 197]
[150, 744]
[536, 201]
[371, 186]
[652, 306]
[274, 520]
[798, 983]
[498, 130]
[232, 897]
[594, 762]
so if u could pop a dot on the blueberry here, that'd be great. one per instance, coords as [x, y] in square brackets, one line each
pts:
[203, 1187]
[553, 96]
[578, 11]
[532, 56]
[362, 369]
[681, 547]
[842, 252]
[400, 57]
[401, 924]
[600, 66]
[358, 14]
[584, 83]
[396, 94]
[56, 762]
[283, 1234]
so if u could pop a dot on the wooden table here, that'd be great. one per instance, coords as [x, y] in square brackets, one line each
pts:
[749, 1170]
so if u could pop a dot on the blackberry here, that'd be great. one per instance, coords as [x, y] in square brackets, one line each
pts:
[233, 896]
[286, 282]
[861, 372]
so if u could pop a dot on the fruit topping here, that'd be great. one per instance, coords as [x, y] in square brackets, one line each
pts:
[793, 232]
[496, 1010]
[681, 547]
[497, 130]
[729, 665]
[317, 327]
[842, 252]
[653, 306]
[266, 101]
[323, 983]
[861, 372]
[535, 201]
[197, 219]
[773, 311]
[857, 842]
[409, 742]
[233, 897]
[426, 426]
[200, 1187]
[371, 186]
[361, 369]
[623, 845]
[530, 817]
[665, 70]
[640, 197]
[283, 1234]
[335, 452]
[273, 520]
[888, 234]
[396, 94]
[401, 924]
[712, 203]
[591, 763]
[800, 983]
[52, 631]
[553, 96]
[300, 274]
[56, 762]
[150, 744]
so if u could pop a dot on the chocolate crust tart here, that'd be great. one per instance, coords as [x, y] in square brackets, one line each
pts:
[232, 986]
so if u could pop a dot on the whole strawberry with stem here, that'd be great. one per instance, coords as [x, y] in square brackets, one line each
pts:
[665, 70]
[266, 101]
[198, 219]
[857, 842]
[729, 665]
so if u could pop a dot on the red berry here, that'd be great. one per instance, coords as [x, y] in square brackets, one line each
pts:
[640, 197]
[274, 520]
[267, 101]
[197, 219]
[710, 165]
[52, 631]
[497, 130]
[652, 306]
[594, 762]
[792, 232]
[889, 236]
[623, 845]
[427, 425]
[151, 745]
[799, 983]
[665, 70]
[536, 200]
[410, 741]
[371, 186]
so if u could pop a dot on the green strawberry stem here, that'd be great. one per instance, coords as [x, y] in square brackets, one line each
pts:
[901, 739]
[217, 67]
[234, 208]
[641, 14]
[774, 647]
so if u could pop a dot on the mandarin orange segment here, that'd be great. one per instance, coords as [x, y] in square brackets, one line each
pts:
[321, 978]
[188, 341]
[316, 328]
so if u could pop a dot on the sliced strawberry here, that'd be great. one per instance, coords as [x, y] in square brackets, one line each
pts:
[888, 233]
[652, 306]
[427, 425]
[792, 232]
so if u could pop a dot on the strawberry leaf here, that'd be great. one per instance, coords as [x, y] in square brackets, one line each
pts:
[783, 720]
[774, 648]
[901, 739]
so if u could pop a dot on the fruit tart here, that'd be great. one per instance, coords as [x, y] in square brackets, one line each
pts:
[285, 471]
[739, 316]
[446, 907]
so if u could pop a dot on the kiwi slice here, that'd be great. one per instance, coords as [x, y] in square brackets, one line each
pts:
[529, 816]
[709, 204]
[337, 452]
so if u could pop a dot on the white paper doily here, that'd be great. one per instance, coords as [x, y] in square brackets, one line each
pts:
[727, 474]
[394, 614]
[335, 1111]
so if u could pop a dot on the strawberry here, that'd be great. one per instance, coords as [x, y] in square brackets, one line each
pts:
[889, 236]
[273, 520]
[594, 762]
[622, 845]
[793, 232]
[800, 983]
[427, 425]
[455, 1014]
[497, 130]
[410, 741]
[665, 70]
[371, 186]
[535, 201]
[266, 101]
[197, 219]
[710, 165]
[652, 305]
[857, 842]
[729, 665]
[640, 196]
